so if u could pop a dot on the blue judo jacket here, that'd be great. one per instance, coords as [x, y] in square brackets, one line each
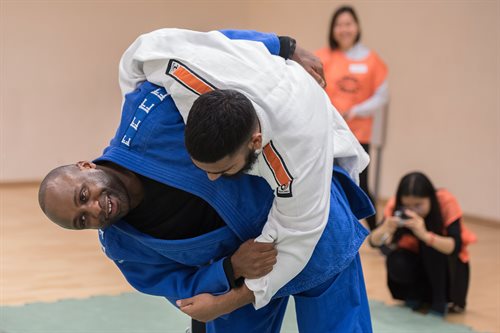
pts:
[179, 269]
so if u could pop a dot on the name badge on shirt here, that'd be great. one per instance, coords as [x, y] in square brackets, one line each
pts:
[358, 68]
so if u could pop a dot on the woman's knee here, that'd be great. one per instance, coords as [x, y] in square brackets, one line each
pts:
[402, 266]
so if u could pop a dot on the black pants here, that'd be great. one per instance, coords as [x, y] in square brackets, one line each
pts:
[429, 276]
[363, 183]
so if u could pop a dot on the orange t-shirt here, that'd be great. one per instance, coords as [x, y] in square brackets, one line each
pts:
[450, 211]
[351, 82]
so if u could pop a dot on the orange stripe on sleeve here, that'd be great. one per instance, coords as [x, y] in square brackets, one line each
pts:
[276, 165]
[191, 81]
[188, 78]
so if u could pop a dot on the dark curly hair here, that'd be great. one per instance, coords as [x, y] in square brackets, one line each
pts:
[218, 125]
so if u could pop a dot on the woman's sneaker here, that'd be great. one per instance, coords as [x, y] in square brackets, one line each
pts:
[454, 308]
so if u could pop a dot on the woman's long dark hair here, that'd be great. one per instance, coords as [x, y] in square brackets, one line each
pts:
[344, 9]
[416, 184]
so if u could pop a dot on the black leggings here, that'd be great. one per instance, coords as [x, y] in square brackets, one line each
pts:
[429, 276]
[363, 183]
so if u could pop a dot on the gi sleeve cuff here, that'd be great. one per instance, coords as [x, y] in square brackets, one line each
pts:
[260, 291]
[228, 270]
[287, 46]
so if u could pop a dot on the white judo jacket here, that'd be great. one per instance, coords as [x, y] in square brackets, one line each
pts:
[302, 132]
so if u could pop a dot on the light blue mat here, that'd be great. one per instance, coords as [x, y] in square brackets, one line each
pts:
[137, 313]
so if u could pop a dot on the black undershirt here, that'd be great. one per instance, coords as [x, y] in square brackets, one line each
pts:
[169, 213]
[166, 212]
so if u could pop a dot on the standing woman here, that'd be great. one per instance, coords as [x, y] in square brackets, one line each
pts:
[356, 80]
[429, 262]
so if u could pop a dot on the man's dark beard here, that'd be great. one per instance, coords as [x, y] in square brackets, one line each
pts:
[250, 161]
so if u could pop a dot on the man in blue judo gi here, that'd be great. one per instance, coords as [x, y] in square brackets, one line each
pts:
[147, 154]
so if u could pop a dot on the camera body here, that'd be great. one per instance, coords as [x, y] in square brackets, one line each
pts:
[400, 212]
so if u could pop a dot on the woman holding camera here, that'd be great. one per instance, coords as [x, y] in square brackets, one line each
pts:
[427, 261]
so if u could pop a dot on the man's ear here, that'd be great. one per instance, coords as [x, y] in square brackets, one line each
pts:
[85, 165]
[255, 141]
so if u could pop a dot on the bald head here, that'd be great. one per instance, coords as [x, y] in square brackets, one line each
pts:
[83, 196]
[50, 180]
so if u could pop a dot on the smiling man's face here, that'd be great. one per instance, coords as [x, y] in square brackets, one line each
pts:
[85, 197]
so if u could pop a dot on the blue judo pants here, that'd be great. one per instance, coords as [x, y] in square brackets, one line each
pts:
[338, 305]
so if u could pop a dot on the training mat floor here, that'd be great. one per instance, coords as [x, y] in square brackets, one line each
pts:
[138, 313]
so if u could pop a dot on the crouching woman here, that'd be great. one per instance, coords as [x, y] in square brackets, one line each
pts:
[427, 259]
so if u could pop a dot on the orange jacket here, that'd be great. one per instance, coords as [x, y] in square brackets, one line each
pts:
[351, 82]
[450, 211]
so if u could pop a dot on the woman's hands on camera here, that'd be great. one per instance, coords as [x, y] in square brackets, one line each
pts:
[392, 223]
[401, 219]
[416, 224]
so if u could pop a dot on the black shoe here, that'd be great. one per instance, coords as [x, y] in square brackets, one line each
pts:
[439, 309]
[413, 304]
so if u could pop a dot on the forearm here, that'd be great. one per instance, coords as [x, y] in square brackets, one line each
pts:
[382, 235]
[440, 243]
[373, 104]
[205, 307]
[235, 299]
